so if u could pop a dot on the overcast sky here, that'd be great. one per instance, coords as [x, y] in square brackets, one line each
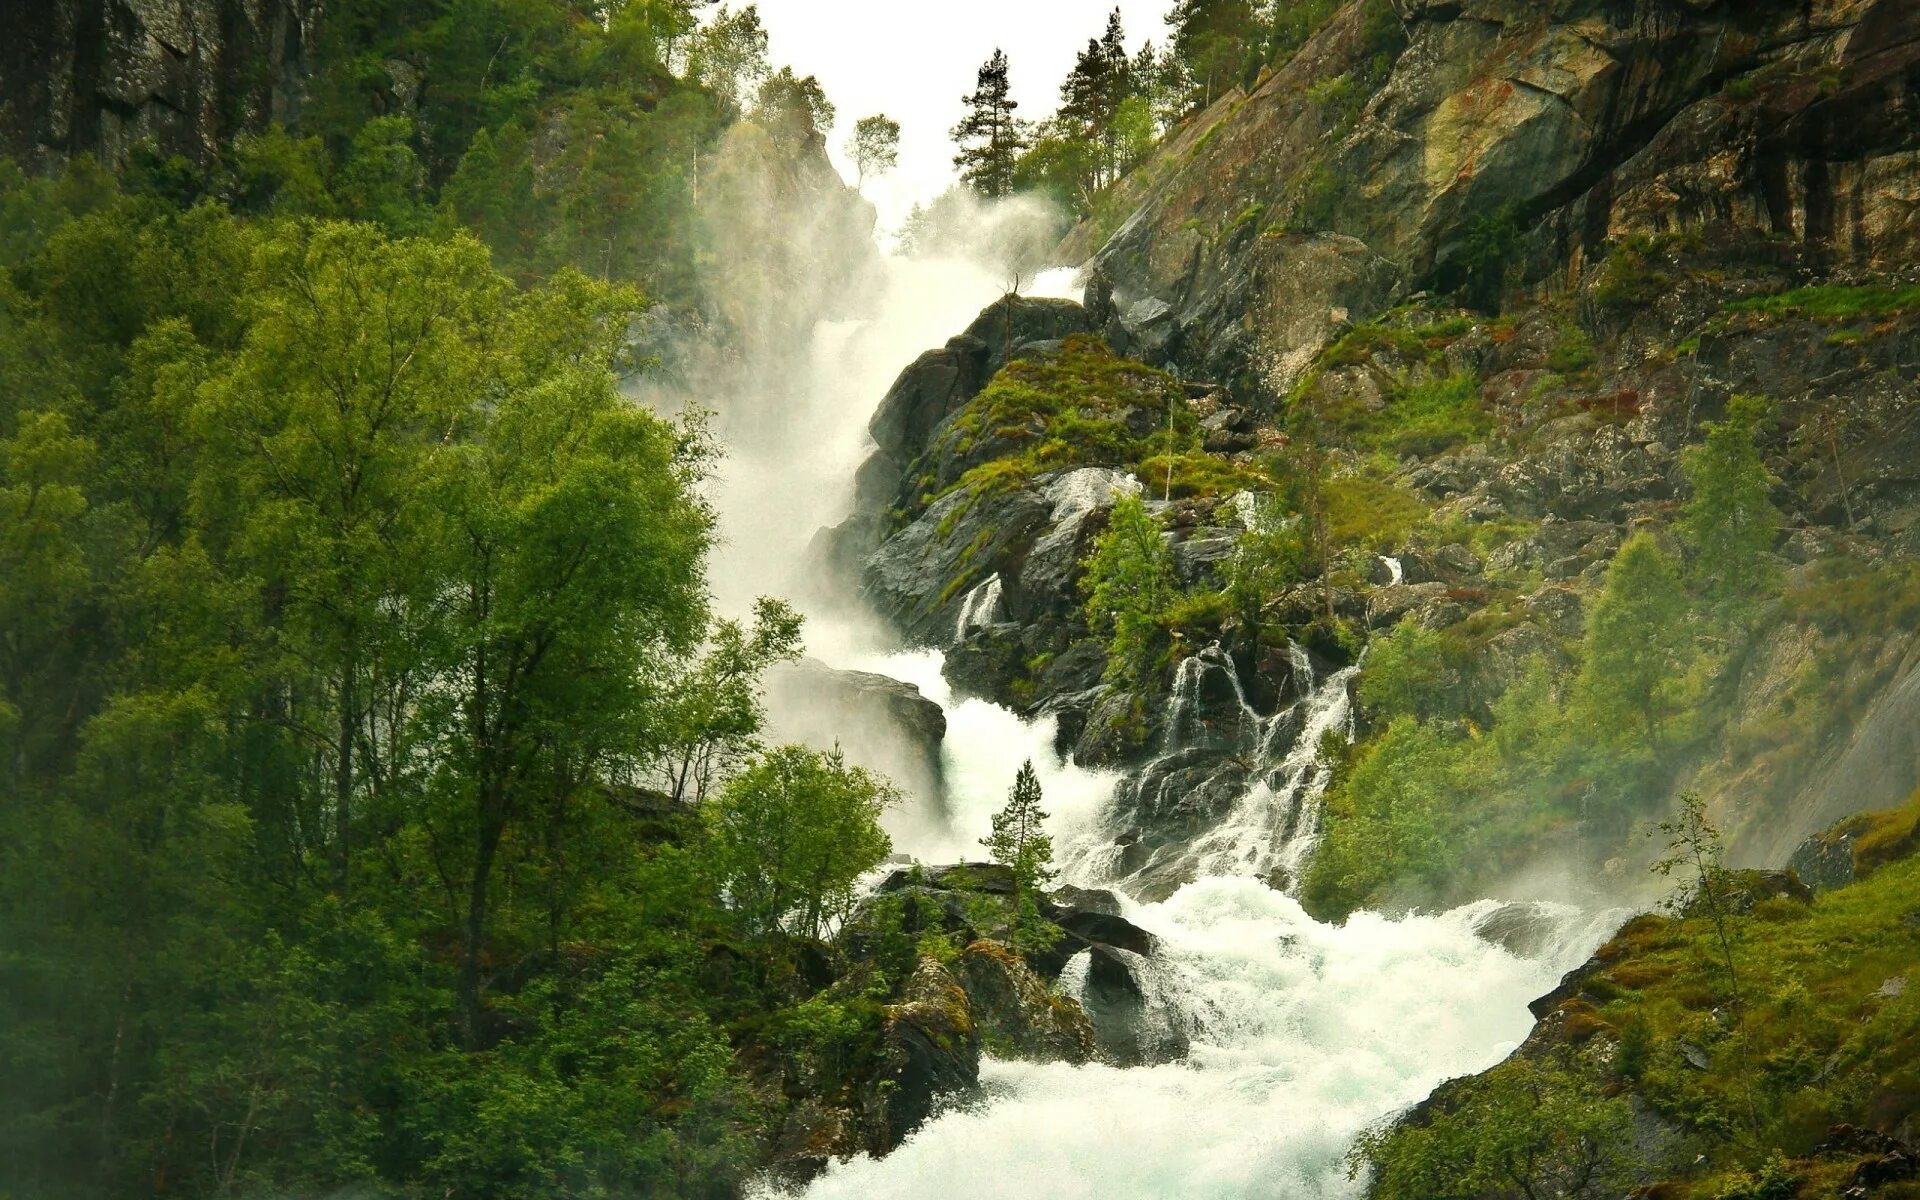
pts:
[914, 59]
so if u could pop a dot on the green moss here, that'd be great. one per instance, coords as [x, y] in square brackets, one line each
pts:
[1079, 406]
[1835, 304]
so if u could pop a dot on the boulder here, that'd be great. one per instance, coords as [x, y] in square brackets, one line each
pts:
[879, 722]
[929, 1053]
[1131, 1024]
[1016, 1013]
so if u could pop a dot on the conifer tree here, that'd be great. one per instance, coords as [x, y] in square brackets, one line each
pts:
[990, 137]
[1091, 98]
[1019, 841]
[1637, 646]
[1730, 521]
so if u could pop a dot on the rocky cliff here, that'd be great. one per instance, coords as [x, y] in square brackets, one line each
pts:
[1505, 263]
[1501, 144]
[102, 76]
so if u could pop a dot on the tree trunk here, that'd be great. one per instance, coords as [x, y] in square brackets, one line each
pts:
[492, 826]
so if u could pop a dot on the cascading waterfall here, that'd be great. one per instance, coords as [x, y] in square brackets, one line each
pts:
[1297, 1035]
[1300, 1034]
[980, 607]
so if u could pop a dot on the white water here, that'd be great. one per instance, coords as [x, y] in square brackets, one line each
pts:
[1302, 1034]
[1310, 1034]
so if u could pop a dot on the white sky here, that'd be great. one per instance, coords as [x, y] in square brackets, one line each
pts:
[914, 59]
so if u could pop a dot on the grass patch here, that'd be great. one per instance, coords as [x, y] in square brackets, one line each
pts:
[1372, 514]
[1835, 304]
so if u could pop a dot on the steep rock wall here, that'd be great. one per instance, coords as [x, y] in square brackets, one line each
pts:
[101, 76]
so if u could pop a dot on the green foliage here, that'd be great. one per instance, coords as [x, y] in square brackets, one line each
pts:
[792, 833]
[1020, 842]
[346, 597]
[1638, 646]
[1834, 303]
[1482, 260]
[1129, 585]
[1269, 556]
[1080, 406]
[1406, 673]
[1526, 1128]
[1730, 520]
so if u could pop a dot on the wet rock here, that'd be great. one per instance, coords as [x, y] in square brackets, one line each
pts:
[1526, 929]
[881, 723]
[918, 580]
[1115, 989]
[1016, 1013]
[929, 1052]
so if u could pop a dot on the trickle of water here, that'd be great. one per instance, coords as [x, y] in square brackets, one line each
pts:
[1396, 573]
[981, 607]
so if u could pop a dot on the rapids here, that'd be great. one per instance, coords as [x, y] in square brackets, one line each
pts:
[1303, 1033]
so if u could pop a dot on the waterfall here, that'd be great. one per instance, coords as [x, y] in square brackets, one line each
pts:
[980, 608]
[1299, 1035]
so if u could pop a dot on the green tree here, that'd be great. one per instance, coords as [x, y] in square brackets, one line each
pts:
[729, 55]
[792, 834]
[1100, 82]
[575, 545]
[874, 146]
[1269, 556]
[990, 136]
[1406, 673]
[1638, 646]
[1210, 40]
[1020, 842]
[1730, 521]
[711, 714]
[1129, 584]
[1694, 849]
[795, 111]
[317, 488]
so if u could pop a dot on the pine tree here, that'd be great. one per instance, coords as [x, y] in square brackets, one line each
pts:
[1210, 40]
[1730, 521]
[1019, 841]
[990, 137]
[1637, 647]
[1091, 98]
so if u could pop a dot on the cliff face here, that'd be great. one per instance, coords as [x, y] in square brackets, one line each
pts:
[100, 76]
[1512, 141]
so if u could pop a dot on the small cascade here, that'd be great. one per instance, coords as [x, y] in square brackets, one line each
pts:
[1229, 791]
[980, 608]
[1396, 573]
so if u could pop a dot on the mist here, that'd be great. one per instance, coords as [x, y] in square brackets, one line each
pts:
[811, 310]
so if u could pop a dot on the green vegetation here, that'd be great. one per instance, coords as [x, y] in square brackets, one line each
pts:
[1730, 520]
[1130, 587]
[1752, 1089]
[1637, 645]
[1525, 1128]
[1426, 409]
[1835, 303]
[792, 833]
[1080, 406]
[349, 610]
[1020, 843]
